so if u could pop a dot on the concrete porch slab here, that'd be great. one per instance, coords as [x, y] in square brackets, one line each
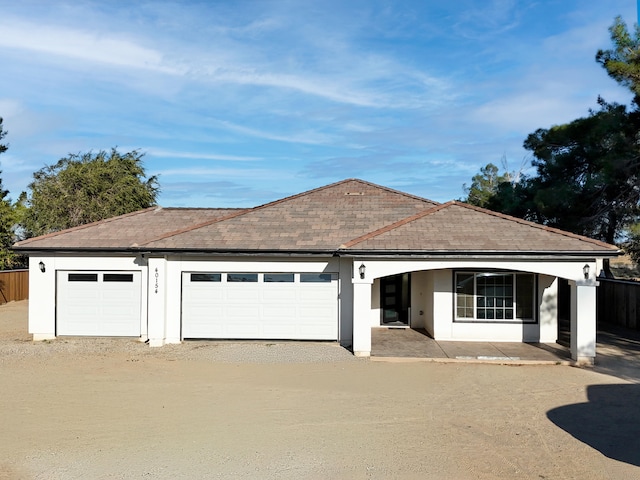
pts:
[405, 344]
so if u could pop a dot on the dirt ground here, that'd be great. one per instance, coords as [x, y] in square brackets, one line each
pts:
[89, 408]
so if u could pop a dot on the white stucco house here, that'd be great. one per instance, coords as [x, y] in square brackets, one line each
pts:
[327, 264]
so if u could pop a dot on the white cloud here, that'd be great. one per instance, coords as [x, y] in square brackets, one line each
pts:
[198, 155]
[225, 173]
[308, 137]
[337, 72]
[489, 18]
[101, 48]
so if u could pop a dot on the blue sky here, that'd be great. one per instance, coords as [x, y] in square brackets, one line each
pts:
[237, 103]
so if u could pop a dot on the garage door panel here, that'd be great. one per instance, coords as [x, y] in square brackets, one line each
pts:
[279, 331]
[203, 311]
[98, 308]
[317, 334]
[278, 294]
[317, 296]
[239, 312]
[262, 310]
[249, 294]
[241, 330]
[205, 330]
[204, 295]
[278, 311]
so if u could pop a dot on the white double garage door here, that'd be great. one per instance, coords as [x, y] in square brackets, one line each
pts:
[293, 306]
[296, 306]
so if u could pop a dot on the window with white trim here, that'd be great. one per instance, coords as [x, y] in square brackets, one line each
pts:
[495, 297]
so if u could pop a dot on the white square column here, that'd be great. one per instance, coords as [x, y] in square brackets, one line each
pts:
[362, 317]
[583, 322]
[156, 317]
[42, 301]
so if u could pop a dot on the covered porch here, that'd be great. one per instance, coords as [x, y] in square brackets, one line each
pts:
[513, 308]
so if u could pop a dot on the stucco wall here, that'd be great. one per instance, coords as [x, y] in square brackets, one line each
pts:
[376, 310]
[42, 285]
[420, 295]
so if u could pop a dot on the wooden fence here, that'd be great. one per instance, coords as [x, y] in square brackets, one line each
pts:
[14, 285]
[619, 302]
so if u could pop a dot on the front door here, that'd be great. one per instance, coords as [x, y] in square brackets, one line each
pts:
[395, 300]
[564, 312]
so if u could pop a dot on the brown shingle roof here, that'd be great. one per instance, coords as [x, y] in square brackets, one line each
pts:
[128, 230]
[458, 227]
[317, 220]
[349, 216]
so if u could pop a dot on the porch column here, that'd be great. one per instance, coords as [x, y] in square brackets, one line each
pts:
[362, 317]
[157, 305]
[583, 322]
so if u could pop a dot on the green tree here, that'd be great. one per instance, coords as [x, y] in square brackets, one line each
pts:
[588, 173]
[487, 184]
[622, 62]
[484, 185]
[7, 219]
[84, 188]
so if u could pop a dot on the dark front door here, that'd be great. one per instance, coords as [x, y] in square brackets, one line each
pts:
[564, 312]
[395, 299]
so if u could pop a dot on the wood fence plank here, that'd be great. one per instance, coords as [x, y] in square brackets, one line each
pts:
[619, 302]
[14, 285]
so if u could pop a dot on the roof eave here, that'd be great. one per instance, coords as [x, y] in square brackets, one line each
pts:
[465, 254]
[474, 254]
[172, 251]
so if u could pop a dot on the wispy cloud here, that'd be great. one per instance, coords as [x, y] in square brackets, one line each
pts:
[369, 81]
[83, 45]
[308, 137]
[220, 172]
[198, 155]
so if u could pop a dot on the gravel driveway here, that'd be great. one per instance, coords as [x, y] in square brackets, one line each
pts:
[116, 409]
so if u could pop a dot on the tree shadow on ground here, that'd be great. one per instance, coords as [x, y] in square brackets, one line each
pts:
[608, 422]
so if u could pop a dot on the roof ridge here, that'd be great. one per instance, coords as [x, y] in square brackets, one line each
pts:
[533, 224]
[205, 208]
[394, 225]
[335, 184]
[237, 214]
[392, 190]
[86, 225]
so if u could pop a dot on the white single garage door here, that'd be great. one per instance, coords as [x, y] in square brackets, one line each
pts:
[100, 304]
[284, 306]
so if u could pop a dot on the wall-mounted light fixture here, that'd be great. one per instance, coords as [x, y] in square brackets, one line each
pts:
[585, 271]
[362, 269]
[42, 267]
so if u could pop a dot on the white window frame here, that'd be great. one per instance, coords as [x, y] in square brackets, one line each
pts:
[484, 273]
